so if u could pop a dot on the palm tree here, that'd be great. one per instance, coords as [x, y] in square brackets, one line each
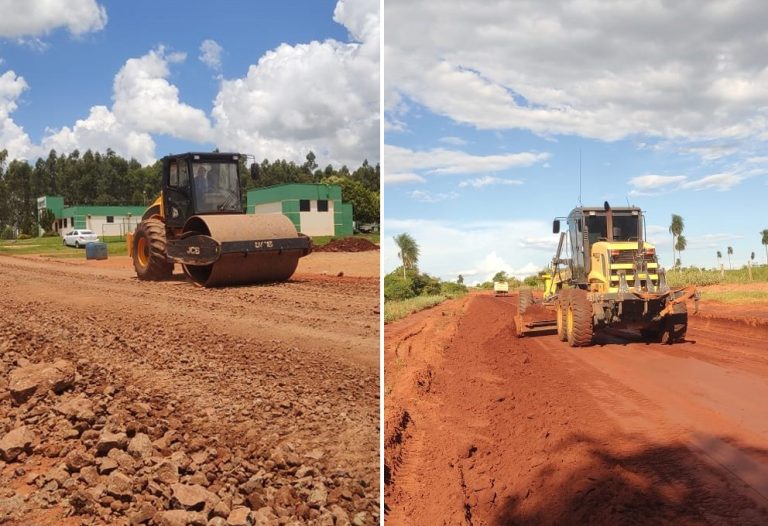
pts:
[719, 257]
[730, 253]
[764, 233]
[409, 251]
[680, 246]
[675, 228]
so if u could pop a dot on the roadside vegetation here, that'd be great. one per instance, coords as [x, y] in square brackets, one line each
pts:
[407, 290]
[53, 246]
[93, 178]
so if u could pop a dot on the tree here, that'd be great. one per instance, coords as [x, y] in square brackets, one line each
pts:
[409, 251]
[365, 204]
[676, 228]
[500, 276]
[460, 280]
[764, 233]
[47, 217]
[730, 253]
[680, 245]
[719, 256]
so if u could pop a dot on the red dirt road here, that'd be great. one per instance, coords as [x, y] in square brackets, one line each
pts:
[482, 428]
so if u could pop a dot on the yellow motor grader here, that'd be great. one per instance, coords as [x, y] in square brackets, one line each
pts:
[198, 221]
[604, 275]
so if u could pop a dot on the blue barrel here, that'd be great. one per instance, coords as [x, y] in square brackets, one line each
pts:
[96, 251]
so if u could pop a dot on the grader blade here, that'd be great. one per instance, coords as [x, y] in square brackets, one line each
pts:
[534, 327]
[534, 317]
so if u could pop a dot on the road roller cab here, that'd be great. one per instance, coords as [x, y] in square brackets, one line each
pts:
[199, 222]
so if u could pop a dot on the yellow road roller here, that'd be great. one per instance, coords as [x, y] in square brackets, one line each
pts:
[199, 222]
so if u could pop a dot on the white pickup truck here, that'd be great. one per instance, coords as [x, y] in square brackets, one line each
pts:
[500, 288]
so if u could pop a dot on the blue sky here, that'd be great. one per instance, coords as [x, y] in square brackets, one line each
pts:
[149, 78]
[487, 112]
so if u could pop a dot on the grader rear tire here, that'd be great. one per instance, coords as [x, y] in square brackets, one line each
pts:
[676, 324]
[561, 312]
[579, 324]
[524, 300]
[149, 258]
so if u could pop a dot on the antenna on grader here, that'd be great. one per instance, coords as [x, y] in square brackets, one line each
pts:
[580, 177]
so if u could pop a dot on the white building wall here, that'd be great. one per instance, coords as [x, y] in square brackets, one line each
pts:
[120, 226]
[268, 208]
[314, 223]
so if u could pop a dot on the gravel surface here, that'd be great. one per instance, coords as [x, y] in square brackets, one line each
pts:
[124, 402]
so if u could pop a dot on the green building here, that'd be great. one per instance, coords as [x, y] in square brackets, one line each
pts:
[315, 209]
[103, 220]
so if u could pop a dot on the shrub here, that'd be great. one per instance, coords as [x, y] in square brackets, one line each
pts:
[6, 232]
[448, 288]
[397, 290]
[24, 236]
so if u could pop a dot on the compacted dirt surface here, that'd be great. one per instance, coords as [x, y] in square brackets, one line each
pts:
[482, 428]
[128, 402]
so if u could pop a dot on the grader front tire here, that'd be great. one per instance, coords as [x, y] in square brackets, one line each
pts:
[149, 251]
[579, 326]
[561, 312]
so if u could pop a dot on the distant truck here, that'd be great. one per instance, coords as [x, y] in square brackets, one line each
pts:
[500, 288]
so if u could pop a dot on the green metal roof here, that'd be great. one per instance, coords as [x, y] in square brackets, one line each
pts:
[293, 191]
[70, 211]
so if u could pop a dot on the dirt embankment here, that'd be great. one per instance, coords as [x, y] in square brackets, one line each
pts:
[184, 405]
[485, 428]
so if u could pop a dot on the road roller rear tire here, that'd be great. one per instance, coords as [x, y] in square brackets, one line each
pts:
[579, 319]
[149, 253]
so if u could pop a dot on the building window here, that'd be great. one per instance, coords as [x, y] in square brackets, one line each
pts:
[110, 219]
[65, 222]
[322, 205]
[304, 205]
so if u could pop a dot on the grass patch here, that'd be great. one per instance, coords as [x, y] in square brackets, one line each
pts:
[702, 278]
[395, 310]
[736, 296]
[54, 247]
[319, 241]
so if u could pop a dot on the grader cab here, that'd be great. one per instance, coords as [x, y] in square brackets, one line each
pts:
[604, 274]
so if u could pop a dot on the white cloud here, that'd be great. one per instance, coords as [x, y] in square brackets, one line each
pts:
[402, 178]
[431, 197]
[604, 70]
[453, 141]
[99, 131]
[488, 180]
[320, 96]
[12, 136]
[145, 101]
[652, 182]
[38, 17]
[443, 161]
[721, 182]
[210, 54]
[546, 243]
